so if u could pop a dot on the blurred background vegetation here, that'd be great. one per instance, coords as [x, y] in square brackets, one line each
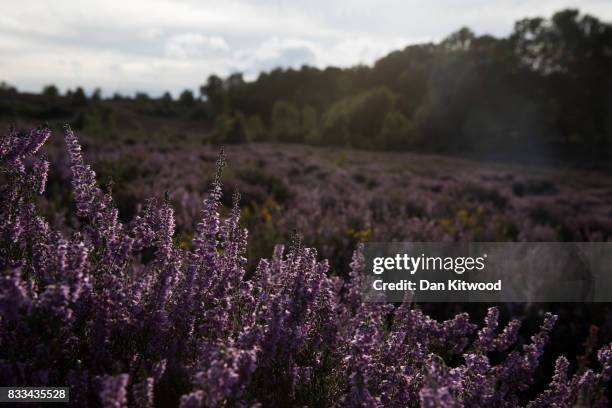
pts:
[546, 89]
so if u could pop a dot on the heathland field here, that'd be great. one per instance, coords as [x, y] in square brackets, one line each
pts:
[338, 197]
[162, 307]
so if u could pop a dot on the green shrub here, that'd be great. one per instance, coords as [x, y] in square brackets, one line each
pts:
[286, 122]
[255, 128]
[230, 129]
[397, 132]
[357, 120]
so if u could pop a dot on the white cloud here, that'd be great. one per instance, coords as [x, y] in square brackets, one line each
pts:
[193, 45]
[275, 52]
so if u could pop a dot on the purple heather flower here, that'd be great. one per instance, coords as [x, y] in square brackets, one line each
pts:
[113, 390]
[40, 170]
[192, 400]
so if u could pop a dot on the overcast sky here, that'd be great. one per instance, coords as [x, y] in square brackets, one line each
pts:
[157, 45]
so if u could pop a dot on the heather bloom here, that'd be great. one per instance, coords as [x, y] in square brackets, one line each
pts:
[126, 316]
[113, 393]
[15, 297]
[508, 337]
[193, 400]
[442, 385]
[90, 200]
[486, 335]
[40, 170]
[143, 393]
[227, 376]
[16, 147]
[560, 392]
[605, 358]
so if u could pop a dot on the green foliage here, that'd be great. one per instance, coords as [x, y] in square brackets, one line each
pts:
[571, 52]
[7, 88]
[397, 133]
[412, 85]
[78, 97]
[230, 129]
[186, 98]
[214, 93]
[96, 95]
[310, 125]
[545, 87]
[256, 129]
[99, 120]
[166, 106]
[286, 123]
[50, 91]
[356, 121]
[142, 98]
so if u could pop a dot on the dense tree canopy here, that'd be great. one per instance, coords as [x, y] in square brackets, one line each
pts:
[549, 83]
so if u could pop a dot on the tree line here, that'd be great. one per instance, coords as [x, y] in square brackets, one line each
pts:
[547, 85]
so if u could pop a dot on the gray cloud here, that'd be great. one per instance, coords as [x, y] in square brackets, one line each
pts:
[157, 45]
